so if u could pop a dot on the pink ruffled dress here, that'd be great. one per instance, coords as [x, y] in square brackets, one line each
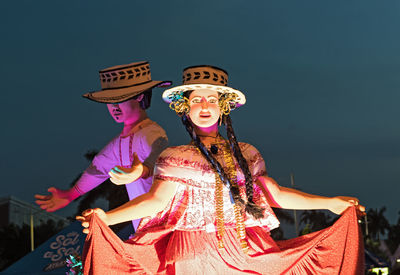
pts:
[182, 238]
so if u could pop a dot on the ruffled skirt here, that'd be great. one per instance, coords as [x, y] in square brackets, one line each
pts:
[335, 250]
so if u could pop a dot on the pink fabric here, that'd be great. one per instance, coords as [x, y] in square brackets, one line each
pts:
[181, 239]
[335, 250]
[193, 205]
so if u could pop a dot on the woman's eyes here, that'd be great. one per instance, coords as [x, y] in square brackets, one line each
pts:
[210, 100]
[196, 100]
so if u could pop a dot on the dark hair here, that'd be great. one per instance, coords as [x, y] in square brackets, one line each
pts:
[250, 207]
[146, 100]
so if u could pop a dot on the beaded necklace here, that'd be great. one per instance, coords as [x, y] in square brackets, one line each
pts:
[230, 170]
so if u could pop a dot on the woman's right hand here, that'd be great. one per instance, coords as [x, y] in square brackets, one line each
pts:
[86, 218]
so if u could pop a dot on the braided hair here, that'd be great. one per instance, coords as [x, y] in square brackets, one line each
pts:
[250, 207]
[234, 190]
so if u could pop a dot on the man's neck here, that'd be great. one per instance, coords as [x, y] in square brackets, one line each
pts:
[129, 125]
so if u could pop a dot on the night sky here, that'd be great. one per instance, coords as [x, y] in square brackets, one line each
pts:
[322, 80]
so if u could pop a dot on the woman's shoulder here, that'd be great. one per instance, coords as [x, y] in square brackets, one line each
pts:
[181, 150]
[250, 153]
[186, 156]
[247, 148]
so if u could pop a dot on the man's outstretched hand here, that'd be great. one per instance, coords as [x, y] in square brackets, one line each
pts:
[55, 200]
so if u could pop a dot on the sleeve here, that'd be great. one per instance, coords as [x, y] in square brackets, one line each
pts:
[97, 172]
[152, 142]
[257, 168]
[255, 161]
[171, 166]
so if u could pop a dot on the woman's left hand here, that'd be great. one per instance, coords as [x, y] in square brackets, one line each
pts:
[85, 219]
[339, 204]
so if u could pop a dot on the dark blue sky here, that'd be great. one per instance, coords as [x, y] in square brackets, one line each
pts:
[322, 80]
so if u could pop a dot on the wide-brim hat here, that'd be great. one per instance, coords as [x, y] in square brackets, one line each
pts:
[123, 82]
[204, 77]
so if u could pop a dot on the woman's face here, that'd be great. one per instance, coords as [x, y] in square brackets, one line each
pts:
[204, 109]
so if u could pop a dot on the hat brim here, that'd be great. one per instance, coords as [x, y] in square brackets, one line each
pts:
[124, 94]
[241, 99]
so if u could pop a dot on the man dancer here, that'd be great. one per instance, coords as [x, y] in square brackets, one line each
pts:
[129, 157]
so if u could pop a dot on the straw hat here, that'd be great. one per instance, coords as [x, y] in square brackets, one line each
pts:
[204, 77]
[123, 82]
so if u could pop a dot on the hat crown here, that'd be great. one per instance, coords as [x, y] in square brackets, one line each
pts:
[204, 77]
[125, 75]
[123, 82]
[205, 74]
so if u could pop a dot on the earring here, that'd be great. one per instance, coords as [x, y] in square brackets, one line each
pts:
[179, 103]
[227, 103]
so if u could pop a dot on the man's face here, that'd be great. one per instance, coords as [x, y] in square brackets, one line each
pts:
[125, 111]
[204, 108]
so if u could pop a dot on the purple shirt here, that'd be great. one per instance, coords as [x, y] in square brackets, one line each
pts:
[147, 139]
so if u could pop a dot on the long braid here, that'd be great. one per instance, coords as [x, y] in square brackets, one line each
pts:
[251, 207]
[234, 190]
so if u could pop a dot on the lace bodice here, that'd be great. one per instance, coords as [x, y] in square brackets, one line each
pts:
[193, 205]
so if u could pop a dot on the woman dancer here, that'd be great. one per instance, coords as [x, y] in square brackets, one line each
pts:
[209, 209]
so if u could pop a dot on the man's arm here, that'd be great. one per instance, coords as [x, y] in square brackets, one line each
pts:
[93, 176]
[151, 142]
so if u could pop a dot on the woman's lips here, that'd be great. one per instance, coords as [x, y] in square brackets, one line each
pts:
[205, 115]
